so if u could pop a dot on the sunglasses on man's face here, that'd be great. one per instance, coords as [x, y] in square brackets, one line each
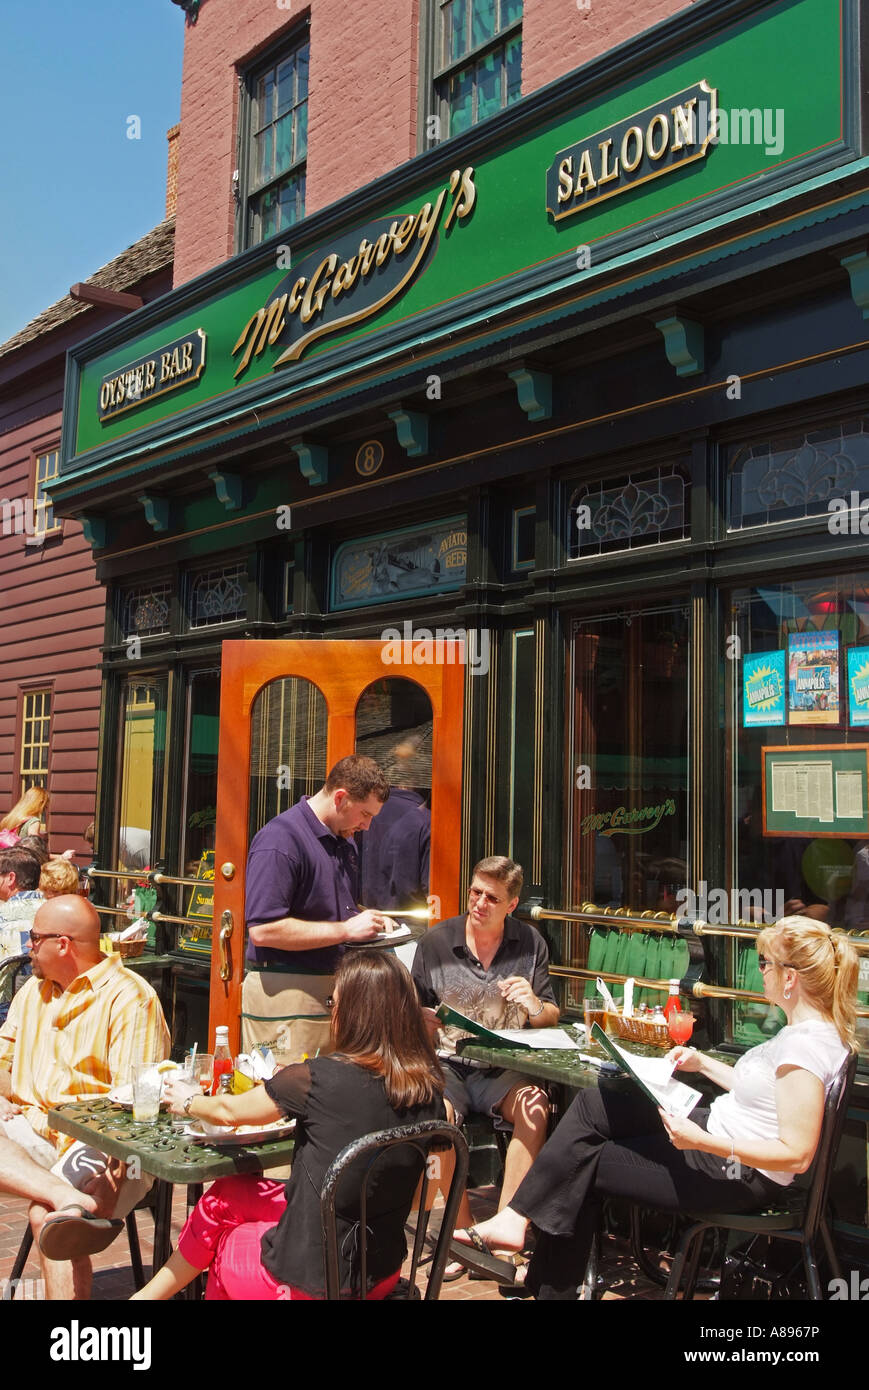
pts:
[36, 937]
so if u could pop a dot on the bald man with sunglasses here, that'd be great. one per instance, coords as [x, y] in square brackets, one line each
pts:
[75, 1029]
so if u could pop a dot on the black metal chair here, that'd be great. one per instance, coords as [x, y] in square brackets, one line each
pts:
[801, 1217]
[10, 968]
[424, 1138]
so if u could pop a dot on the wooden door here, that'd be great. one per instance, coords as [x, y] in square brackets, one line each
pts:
[341, 671]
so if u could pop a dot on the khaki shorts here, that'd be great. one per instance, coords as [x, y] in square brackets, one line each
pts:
[77, 1166]
[288, 1013]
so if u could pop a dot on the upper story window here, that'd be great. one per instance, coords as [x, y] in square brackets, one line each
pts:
[478, 60]
[273, 168]
[45, 473]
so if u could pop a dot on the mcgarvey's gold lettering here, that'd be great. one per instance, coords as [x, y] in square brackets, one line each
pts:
[332, 278]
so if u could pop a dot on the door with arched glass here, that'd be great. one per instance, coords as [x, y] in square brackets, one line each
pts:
[288, 711]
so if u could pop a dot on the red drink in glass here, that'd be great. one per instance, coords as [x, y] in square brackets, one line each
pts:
[680, 1026]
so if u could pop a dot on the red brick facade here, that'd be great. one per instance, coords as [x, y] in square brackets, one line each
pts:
[362, 114]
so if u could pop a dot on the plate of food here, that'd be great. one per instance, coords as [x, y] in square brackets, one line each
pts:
[240, 1134]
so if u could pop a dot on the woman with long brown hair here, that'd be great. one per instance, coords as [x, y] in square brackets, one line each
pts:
[260, 1240]
[735, 1156]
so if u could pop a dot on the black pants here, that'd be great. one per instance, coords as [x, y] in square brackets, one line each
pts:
[611, 1143]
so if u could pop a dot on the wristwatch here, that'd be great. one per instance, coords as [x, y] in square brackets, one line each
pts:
[185, 1109]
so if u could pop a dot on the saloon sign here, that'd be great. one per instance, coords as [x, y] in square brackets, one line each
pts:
[657, 141]
[356, 278]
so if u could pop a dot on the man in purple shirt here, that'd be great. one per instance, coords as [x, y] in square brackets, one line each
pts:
[301, 891]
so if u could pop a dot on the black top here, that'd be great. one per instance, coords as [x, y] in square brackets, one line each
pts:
[445, 971]
[394, 853]
[335, 1102]
[296, 867]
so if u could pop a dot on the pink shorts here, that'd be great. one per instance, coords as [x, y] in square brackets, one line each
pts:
[224, 1232]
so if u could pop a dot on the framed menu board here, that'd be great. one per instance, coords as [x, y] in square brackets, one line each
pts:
[816, 789]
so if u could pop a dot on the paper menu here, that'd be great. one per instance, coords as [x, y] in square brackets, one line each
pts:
[654, 1075]
[551, 1038]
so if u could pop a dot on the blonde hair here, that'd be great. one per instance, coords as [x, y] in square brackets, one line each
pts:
[827, 964]
[32, 803]
[58, 877]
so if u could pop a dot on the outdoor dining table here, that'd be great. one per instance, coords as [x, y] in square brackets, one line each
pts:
[166, 1153]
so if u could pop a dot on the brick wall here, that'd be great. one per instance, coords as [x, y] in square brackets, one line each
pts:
[558, 36]
[172, 136]
[362, 93]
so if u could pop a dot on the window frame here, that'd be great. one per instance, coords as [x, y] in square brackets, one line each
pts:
[25, 692]
[43, 451]
[248, 77]
[434, 75]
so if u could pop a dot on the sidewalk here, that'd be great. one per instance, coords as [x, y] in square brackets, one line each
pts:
[113, 1279]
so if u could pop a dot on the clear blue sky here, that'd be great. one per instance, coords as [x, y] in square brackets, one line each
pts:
[76, 191]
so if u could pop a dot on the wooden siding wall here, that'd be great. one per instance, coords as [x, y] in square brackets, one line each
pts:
[51, 622]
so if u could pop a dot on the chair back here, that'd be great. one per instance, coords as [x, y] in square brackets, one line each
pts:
[835, 1110]
[9, 968]
[421, 1138]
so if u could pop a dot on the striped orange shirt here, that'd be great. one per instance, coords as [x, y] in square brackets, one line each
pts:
[60, 1044]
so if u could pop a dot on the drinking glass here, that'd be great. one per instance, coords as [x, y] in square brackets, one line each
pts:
[204, 1072]
[680, 1026]
[147, 1085]
[594, 1011]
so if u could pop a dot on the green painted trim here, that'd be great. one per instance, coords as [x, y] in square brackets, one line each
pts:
[75, 484]
[477, 262]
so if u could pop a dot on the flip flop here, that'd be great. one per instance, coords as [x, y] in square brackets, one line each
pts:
[479, 1259]
[65, 1236]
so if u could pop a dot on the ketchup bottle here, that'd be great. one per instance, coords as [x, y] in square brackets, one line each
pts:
[673, 1004]
[222, 1058]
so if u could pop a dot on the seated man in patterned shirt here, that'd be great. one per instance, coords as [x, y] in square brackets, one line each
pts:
[75, 1029]
[494, 969]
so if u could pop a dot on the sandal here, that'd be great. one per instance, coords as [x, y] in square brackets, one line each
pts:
[478, 1258]
[74, 1232]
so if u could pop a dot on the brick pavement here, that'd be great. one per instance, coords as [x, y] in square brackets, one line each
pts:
[113, 1277]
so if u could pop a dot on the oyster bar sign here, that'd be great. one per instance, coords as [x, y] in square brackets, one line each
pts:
[174, 365]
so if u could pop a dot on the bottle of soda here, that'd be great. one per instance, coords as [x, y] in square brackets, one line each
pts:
[222, 1058]
[674, 1003]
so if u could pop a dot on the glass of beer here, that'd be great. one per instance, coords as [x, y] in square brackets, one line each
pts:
[594, 1011]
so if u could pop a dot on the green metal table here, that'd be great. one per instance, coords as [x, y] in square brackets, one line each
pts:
[165, 1153]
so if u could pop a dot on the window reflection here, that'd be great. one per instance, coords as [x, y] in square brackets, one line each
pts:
[143, 754]
[288, 747]
[394, 727]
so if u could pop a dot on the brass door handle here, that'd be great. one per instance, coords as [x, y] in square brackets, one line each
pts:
[224, 935]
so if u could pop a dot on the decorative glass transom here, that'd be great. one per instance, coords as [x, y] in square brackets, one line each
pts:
[797, 476]
[146, 610]
[219, 595]
[647, 508]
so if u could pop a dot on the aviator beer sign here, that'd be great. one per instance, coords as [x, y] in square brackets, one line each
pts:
[172, 366]
[357, 277]
[657, 141]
